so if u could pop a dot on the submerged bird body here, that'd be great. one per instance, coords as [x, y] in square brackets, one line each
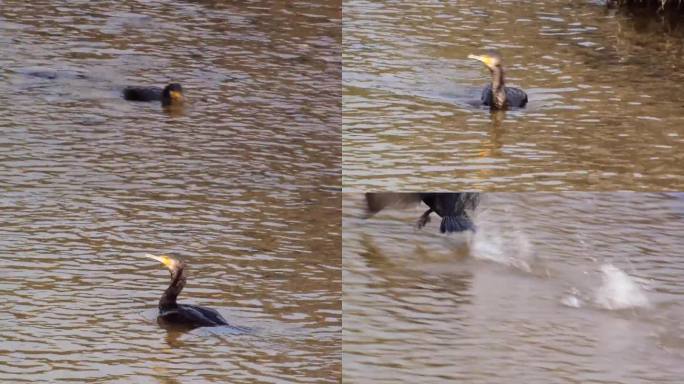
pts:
[172, 94]
[515, 97]
[451, 207]
[496, 94]
[191, 316]
[142, 93]
[172, 314]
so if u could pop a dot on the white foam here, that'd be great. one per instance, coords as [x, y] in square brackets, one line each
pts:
[571, 301]
[618, 290]
[513, 249]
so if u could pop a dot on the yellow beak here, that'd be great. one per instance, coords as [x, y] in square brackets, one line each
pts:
[176, 96]
[486, 60]
[167, 261]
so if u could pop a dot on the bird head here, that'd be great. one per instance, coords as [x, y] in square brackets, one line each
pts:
[490, 59]
[171, 263]
[173, 94]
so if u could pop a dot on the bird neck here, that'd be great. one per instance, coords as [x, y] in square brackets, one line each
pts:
[168, 299]
[498, 87]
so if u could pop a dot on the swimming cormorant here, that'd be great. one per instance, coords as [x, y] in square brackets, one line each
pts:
[172, 314]
[450, 206]
[496, 94]
[171, 95]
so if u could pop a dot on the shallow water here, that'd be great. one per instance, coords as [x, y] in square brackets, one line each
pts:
[574, 287]
[242, 183]
[605, 108]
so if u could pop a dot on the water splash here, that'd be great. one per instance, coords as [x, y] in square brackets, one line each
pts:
[508, 248]
[572, 299]
[619, 291]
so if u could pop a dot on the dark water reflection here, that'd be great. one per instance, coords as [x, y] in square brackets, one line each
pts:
[575, 287]
[242, 184]
[605, 109]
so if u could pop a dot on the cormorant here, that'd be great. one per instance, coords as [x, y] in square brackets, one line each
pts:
[450, 206]
[172, 314]
[171, 95]
[496, 94]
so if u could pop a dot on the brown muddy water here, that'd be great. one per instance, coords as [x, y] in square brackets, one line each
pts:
[562, 288]
[606, 110]
[243, 183]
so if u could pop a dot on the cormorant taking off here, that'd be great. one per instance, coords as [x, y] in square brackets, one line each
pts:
[172, 314]
[172, 94]
[450, 206]
[496, 94]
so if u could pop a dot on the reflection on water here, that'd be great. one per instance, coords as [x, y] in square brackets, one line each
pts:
[241, 184]
[577, 287]
[605, 108]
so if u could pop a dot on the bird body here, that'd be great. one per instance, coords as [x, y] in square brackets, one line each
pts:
[515, 97]
[142, 93]
[451, 207]
[190, 315]
[496, 94]
[172, 314]
[170, 95]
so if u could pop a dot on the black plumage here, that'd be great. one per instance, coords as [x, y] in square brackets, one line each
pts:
[451, 207]
[172, 314]
[496, 94]
[172, 94]
[515, 97]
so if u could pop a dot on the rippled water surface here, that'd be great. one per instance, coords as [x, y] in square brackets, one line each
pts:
[242, 183]
[605, 107]
[563, 288]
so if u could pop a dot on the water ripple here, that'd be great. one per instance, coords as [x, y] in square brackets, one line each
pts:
[601, 115]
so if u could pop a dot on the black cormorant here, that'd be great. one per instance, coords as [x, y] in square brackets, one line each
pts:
[496, 94]
[450, 206]
[171, 95]
[172, 314]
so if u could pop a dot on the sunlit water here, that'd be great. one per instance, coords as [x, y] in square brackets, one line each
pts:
[575, 287]
[242, 184]
[605, 110]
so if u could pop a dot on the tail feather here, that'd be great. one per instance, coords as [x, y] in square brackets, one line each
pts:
[456, 224]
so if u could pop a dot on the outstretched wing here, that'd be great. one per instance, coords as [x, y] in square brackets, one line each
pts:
[376, 202]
